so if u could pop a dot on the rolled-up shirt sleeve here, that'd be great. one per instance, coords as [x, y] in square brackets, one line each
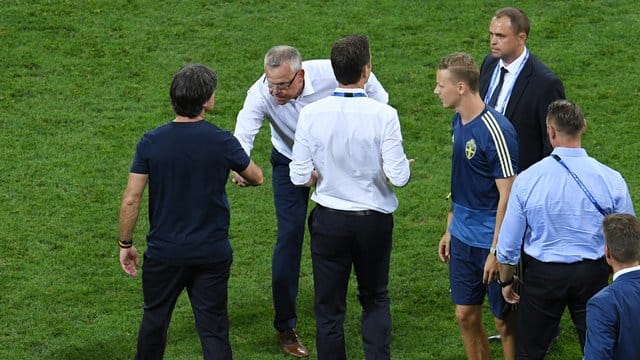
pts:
[250, 117]
[622, 202]
[394, 161]
[512, 230]
[375, 90]
[301, 165]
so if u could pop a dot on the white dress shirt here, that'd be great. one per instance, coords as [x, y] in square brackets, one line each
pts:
[319, 82]
[355, 145]
[624, 271]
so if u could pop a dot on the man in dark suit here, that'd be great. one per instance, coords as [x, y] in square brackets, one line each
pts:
[612, 314]
[527, 87]
[520, 86]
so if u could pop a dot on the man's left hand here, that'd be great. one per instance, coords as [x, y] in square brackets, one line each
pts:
[129, 260]
[509, 295]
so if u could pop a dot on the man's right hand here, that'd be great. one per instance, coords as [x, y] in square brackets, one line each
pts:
[443, 247]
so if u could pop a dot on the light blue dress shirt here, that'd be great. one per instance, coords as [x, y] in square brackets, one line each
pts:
[550, 217]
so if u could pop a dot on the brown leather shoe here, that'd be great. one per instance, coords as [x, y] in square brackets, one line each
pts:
[290, 343]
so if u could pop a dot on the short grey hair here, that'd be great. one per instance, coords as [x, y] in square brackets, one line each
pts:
[283, 54]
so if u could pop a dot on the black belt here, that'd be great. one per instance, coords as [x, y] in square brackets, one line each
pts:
[349, 212]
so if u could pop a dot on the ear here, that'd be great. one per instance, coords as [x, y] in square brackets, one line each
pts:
[584, 128]
[209, 104]
[551, 131]
[366, 72]
[461, 87]
[607, 252]
[522, 38]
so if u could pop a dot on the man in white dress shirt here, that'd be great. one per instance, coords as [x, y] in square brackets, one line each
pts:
[350, 147]
[287, 85]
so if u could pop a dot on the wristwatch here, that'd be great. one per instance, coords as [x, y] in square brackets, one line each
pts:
[493, 251]
[505, 283]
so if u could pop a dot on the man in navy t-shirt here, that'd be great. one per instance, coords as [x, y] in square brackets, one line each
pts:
[186, 163]
[484, 164]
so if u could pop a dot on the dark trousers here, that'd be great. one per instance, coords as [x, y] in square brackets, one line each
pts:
[207, 289]
[547, 290]
[338, 242]
[291, 212]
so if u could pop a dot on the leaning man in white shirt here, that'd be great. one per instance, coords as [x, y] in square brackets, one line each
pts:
[288, 84]
[349, 147]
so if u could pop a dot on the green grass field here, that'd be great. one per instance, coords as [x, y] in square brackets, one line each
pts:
[80, 81]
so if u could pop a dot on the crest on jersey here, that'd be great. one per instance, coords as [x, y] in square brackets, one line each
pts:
[470, 149]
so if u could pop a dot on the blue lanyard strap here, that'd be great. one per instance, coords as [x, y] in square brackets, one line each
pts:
[349, 94]
[494, 83]
[582, 186]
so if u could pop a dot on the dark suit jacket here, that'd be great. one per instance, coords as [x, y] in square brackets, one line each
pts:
[613, 320]
[535, 88]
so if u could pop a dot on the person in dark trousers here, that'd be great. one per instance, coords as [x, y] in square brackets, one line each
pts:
[554, 222]
[521, 87]
[349, 147]
[288, 84]
[186, 164]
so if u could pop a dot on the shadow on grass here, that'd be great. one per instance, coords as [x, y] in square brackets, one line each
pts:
[95, 350]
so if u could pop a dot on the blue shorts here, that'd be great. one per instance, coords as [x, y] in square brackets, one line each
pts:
[466, 267]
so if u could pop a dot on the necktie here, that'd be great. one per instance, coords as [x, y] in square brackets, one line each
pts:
[496, 91]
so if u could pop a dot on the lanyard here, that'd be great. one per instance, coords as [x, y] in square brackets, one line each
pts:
[349, 94]
[494, 83]
[584, 188]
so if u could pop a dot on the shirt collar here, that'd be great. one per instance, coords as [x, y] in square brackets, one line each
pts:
[570, 152]
[343, 90]
[515, 65]
[308, 85]
[624, 271]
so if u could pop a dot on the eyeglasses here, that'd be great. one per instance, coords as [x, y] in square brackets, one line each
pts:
[282, 85]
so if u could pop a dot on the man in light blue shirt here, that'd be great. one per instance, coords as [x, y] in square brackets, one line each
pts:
[554, 219]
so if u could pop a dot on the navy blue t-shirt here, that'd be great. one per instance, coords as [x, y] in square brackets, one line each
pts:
[188, 166]
[484, 149]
